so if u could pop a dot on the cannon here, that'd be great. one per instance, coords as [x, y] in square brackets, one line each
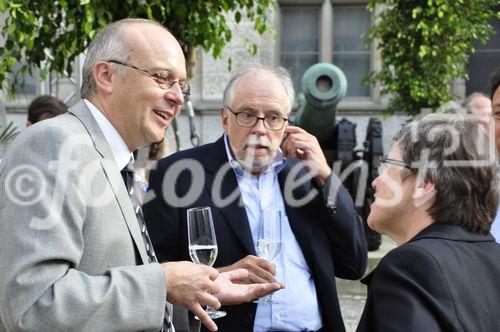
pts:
[323, 85]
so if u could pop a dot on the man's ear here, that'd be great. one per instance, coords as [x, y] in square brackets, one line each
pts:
[424, 191]
[103, 77]
[224, 118]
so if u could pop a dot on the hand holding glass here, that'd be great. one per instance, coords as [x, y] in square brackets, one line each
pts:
[269, 241]
[202, 243]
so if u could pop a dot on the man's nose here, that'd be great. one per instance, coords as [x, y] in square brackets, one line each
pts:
[259, 127]
[175, 95]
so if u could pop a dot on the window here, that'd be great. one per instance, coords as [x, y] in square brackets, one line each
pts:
[483, 62]
[302, 40]
[349, 51]
[299, 39]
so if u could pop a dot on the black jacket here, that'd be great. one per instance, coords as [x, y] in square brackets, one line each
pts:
[444, 279]
[333, 244]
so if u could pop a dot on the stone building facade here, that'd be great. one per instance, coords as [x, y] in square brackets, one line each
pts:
[304, 32]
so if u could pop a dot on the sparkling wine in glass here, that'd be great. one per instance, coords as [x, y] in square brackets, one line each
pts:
[203, 254]
[269, 241]
[202, 243]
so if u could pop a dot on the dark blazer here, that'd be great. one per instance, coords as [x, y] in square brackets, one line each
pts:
[331, 240]
[444, 279]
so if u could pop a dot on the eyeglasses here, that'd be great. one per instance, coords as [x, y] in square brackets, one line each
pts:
[248, 120]
[384, 160]
[162, 81]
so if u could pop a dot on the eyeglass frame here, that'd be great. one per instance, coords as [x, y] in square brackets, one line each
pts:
[185, 88]
[384, 160]
[263, 118]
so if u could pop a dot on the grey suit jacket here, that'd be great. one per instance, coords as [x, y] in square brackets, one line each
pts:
[70, 244]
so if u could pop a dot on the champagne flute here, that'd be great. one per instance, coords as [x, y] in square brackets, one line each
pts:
[269, 241]
[202, 243]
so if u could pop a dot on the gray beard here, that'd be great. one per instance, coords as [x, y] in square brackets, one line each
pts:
[252, 166]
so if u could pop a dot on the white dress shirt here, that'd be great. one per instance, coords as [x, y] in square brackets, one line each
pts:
[118, 146]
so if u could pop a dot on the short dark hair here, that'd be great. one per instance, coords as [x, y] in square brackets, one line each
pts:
[452, 152]
[45, 104]
[495, 82]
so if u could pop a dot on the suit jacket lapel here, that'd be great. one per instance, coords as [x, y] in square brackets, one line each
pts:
[234, 212]
[112, 172]
[297, 216]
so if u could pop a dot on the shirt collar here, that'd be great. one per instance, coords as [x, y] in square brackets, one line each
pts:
[277, 165]
[119, 148]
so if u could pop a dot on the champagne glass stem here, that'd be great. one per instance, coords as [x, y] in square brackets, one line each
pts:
[202, 243]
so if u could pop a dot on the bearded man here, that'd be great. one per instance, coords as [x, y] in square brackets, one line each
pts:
[258, 166]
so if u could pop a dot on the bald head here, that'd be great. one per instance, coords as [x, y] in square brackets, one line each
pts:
[478, 105]
[477, 102]
[118, 41]
[149, 45]
[133, 74]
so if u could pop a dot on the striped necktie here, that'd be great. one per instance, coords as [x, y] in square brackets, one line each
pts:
[128, 177]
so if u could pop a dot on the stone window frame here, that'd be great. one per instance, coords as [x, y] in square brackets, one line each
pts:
[372, 102]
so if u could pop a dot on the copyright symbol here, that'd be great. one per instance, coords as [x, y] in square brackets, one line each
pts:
[25, 185]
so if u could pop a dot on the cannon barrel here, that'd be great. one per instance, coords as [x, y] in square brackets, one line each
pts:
[323, 85]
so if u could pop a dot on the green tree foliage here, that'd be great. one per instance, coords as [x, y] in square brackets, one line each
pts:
[424, 44]
[8, 133]
[50, 34]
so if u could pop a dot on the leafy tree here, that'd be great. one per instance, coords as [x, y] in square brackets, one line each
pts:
[8, 133]
[424, 44]
[50, 34]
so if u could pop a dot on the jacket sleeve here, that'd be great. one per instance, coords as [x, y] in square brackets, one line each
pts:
[344, 228]
[42, 242]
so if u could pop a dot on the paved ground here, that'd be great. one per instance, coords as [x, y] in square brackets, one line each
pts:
[352, 307]
[352, 294]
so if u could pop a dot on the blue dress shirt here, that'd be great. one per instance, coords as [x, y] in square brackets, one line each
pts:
[297, 307]
[495, 227]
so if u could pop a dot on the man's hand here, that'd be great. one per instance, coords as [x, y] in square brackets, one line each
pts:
[299, 144]
[189, 285]
[233, 292]
[259, 270]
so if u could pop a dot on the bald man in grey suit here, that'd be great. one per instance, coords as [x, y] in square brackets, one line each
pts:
[72, 254]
